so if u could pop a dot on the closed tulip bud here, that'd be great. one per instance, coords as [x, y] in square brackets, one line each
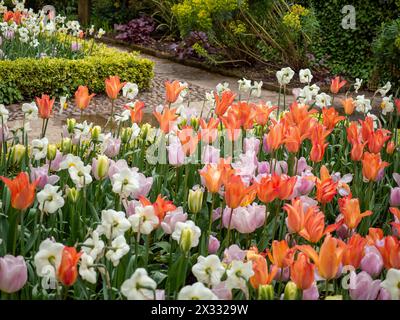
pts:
[186, 239]
[13, 273]
[291, 291]
[66, 145]
[395, 197]
[73, 194]
[195, 200]
[145, 130]
[390, 147]
[17, 153]
[71, 125]
[51, 152]
[213, 245]
[265, 292]
[126, 134]
[100, 167]
[96, 131]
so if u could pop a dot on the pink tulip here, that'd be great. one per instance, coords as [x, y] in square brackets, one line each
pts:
[13, 273]
[395, 197]
[112, 147]
[172, 218]
[130, 206]
[210, 155]
[372, 262]
[213, 245]
[144, 185]
[176, 155]
[222, 291]
[363, 287]
[245, 219]
[251, 144]
[116, 167]
[55, 164]
[233, 253]
[42, 174]
[311, 293]
[282, 274]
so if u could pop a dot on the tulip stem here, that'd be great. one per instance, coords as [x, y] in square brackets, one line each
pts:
[211, 214]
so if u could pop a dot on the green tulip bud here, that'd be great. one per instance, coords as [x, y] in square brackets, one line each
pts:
[51, 151]
[73, 194]
[126, 134]
[144, 130]
[266, 292]
[195, 200]
[186, 239]
[291, 291]
[336, 297]
[101, 166]
[96, 131]
[17, 153]
[195, 123]
[66, 145]
[71, 125]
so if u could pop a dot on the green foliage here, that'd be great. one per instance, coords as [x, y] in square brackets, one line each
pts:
[56, 76]
[9, 93]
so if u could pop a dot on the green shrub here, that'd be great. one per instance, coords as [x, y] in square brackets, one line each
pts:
[57, 76]
[9, 93]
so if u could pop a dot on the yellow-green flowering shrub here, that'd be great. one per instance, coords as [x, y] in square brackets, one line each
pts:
[56, 76]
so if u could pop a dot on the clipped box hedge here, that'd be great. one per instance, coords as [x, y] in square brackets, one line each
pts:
[57, 77]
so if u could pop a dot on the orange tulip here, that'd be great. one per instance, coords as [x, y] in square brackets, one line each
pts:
[302, 272]
[317, 151]
[390, 252]
[350, 208]
[222, 104]
[136, 111]
[326, 187]
[232, 126]
[161, 206]
[22, 192]
[173, 90]
[318, 136]
[348, 106]
[293, 139]
[209, 131]
[67, 272]
[367, 128]
[260, 268]
[396, 213]
[245, 113]
[275, 136]
[227, 171]
[390, 147]
[271, 187]
[45, 106]
[374, 234]
[281, 255]
[212, 178]
[371, 165]
[189, 140]
[329, 257]
[82, 97]
[166, 118]
[262, 114]
[354, 251]
[113, 86]
[397, 104]
[298, 114]
[314, 225]
[12, 16]
[336, 85]
[377, 139]
[357, 151]
[330, 117]
[295, 218]
[236, 191]
[353, 133]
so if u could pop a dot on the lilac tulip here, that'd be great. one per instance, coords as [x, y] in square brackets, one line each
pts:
[233, 253]
[213, 244]
[263, 167]
[176, 155]
[42, 174]
[372, 262]
[210, 155]
[363, 287]
[172, 218]
[13, 273]
[282, 274]
[130, 206]
[55, 164]
[245, 219]
[395, 197]
[251, 144]
[222, 291]
[311, 293]
[144, 185]
[116, 167]
[112, 146]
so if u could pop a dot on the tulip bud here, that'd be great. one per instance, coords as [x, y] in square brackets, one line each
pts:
[195, 123]
[291, 291]
[17, 153]
[100, 167]
[372, 262]
[390, 147]
[66, 145]
[13, 273]
[145, 130]
[195, 200]
[213, 245]
[126, 134]
[51, 152]
[71, 125]
[336, 297]
[186, 239]
[73, 194]
[265, 292]
[96, 131]
[395, 197]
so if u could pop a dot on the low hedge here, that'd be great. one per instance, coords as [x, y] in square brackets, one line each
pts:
[58, 77]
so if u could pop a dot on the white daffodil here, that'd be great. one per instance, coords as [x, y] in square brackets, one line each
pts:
[100, 33]
[196, 291]
[256, 89]
[130, 90]
[238, 274]
[113, 224]
[385, 89]
[50, 199]
[139, 286]
[208, 270]
[124, 116]
[86, 269]
[30, 111]
[362, 104]
[221, 87]
[80, 175]
[82, 130]
[323, 100]
[91, 30]
[187, 234]
[244, 85]
[119, 248]
[305, 76]
[387, 105]
[48, 258]
[358, 84]
[284, 76]
[392, 283]
[144, 220]
[314, 89]
[71, 161]
[93, 246]
[305, 95]
[39, 148]
[125, 182]
[63, 104]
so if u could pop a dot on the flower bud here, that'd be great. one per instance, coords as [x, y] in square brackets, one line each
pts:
[195, 123]
[51, 151]
[390, 147]
[395, 197]
[126, 134]
[291, 291]
[265, 292]
[66, 145]
[336, 297]
[96, 131]
[195, 200]
[17, 153]
[71, 125]
[145, 130]
[213, 245]
[186, 239]
[73, 194]
[100, 167]
[372, 262]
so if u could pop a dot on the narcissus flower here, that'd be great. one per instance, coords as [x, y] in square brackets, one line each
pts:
[22, 192]
[208, 270]
[67, 272]
[139, 286]
[196, 291]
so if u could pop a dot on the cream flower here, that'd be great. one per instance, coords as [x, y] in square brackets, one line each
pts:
[144, 220]
[48, 258]
[50, 199]
[208, 270]
[139, 286]
[196, 291]
[284, 76]
[119, 248]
